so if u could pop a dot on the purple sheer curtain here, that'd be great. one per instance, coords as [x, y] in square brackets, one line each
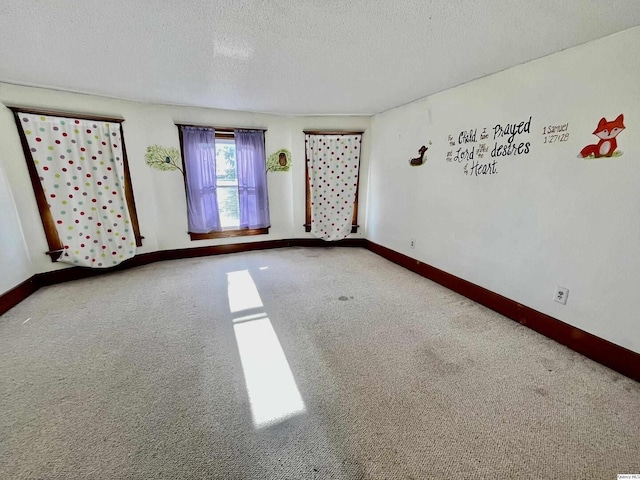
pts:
[199, 146]
[252, 179]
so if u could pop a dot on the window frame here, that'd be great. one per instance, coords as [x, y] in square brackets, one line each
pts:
[307, 192]
[56, 247]
[221, 133]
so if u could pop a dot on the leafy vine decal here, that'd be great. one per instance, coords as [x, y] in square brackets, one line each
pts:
[163, 158]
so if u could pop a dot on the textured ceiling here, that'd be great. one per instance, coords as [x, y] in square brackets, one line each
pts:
[288, 56]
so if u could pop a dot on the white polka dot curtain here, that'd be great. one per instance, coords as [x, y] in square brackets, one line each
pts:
[81, 169]
[333, 162]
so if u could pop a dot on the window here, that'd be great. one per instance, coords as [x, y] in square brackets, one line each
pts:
[332, 182]
[80, 177]
[225, 181]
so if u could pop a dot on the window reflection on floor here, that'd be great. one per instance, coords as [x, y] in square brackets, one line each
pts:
[242, 292]
[271, 388]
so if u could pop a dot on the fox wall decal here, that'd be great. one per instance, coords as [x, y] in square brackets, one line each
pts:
[607, 133]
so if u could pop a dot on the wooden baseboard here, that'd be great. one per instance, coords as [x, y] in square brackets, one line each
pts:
[316, 242]
[602, 351]
[26, 288]
[18, 293]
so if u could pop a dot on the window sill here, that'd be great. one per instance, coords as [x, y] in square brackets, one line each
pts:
[229, 233]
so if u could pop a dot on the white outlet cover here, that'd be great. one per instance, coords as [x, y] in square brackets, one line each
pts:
[561, 295]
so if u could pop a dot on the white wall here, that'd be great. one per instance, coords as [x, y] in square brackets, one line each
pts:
[14, 257]
[160, 197]
[547, 218]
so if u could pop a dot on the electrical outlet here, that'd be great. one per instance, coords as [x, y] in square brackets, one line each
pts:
[413, 243]
[561, 295]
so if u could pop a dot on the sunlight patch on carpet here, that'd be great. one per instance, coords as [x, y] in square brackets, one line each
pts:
[242, 291]
[271, 388]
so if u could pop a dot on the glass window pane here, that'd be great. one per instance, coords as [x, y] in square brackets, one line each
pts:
[228, 206]
[227, 181]
[226, 160]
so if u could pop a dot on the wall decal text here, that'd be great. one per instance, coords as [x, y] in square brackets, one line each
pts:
[471, 147]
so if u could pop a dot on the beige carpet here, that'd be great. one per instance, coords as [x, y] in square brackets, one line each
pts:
[297, 363]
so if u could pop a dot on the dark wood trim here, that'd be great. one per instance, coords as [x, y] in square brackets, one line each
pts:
[65, 114]
[194, 252]
[225, 135]
[184, 169]
[78, 273]
[11, 298]
[331, 132]
[26, 288]
[316, 242]
[246, 232]
[602, 351]
[221, 129]
[354, 219]
[251, 246]
[307, 192]
[219, 133]
[128, 193]
[56, 247]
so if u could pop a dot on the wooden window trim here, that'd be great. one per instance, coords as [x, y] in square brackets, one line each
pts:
[243, 232]
[307, 190]
[221, 133]
[220, 129]
[56, 247]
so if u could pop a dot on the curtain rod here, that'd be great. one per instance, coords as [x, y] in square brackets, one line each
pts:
[330, 132]
[220, 129]
[59, 113]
